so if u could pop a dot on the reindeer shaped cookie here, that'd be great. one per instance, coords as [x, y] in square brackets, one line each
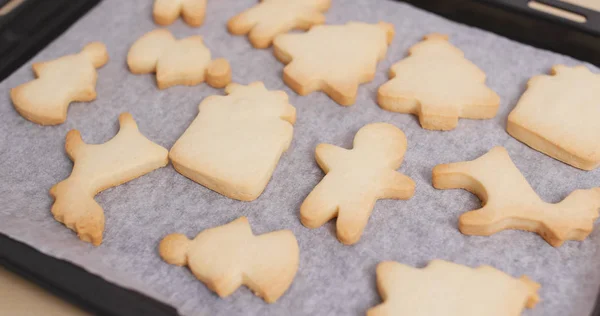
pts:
[228, 256]
[177, 62]
[125, 157]
[166, 12]
[450, 289]
[46, 99]
[510, 203]
[356, 179]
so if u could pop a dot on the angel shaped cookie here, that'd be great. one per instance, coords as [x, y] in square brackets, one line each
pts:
[46, 99]
[272, 17]
[333, 58]
[355, 179]
[559, 115]
[166, 12]
[177, 62]
[228, 256]
[450, 289]
[437, 83]
[510, 202]
[235, 143]
[126, 156]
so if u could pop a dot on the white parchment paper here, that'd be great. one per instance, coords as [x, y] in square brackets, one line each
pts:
[333, 279]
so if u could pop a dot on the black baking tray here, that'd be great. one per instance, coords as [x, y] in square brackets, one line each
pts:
[516, 20]
[74, 284]
[36, 23]
[32, 25]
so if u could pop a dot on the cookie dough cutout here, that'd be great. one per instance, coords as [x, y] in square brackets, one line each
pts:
[266, 263]
[177, 62]
[270, 18]
[165, 12]
[235, 143]
[125, 157]
[59, 82]
[355, 179]
[559, 116]
[446, 288]
[510, 203]
[437, 83]
[333, 58]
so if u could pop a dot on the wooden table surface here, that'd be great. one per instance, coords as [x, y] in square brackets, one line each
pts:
[19, 297]
[590, 4]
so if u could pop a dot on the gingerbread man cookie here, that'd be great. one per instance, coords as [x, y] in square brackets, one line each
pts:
[177, 62]
[450, 289]
[437, 83]
[46, 99]
[125, 157]
[333, 58]
[559, 115]
[166, 12]
[355, 179]
[272, 17]
[510, 203]
[235, 143]
[266, 263]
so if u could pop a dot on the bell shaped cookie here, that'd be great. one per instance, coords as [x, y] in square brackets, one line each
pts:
[59, 82]
[437, 83]
[228, 256]
[559, 115]
[177, 62]
[510, 202]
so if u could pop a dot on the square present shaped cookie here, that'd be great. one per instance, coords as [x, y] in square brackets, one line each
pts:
[559, 115]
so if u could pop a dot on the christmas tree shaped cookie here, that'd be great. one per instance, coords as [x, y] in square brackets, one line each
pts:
[46, 99]
[559, 115]
[228, 256]
[235, 143]
[449, 289]
[355, 179]
[510, 202]
[333, 58]
[437, 83]
[272, 17]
